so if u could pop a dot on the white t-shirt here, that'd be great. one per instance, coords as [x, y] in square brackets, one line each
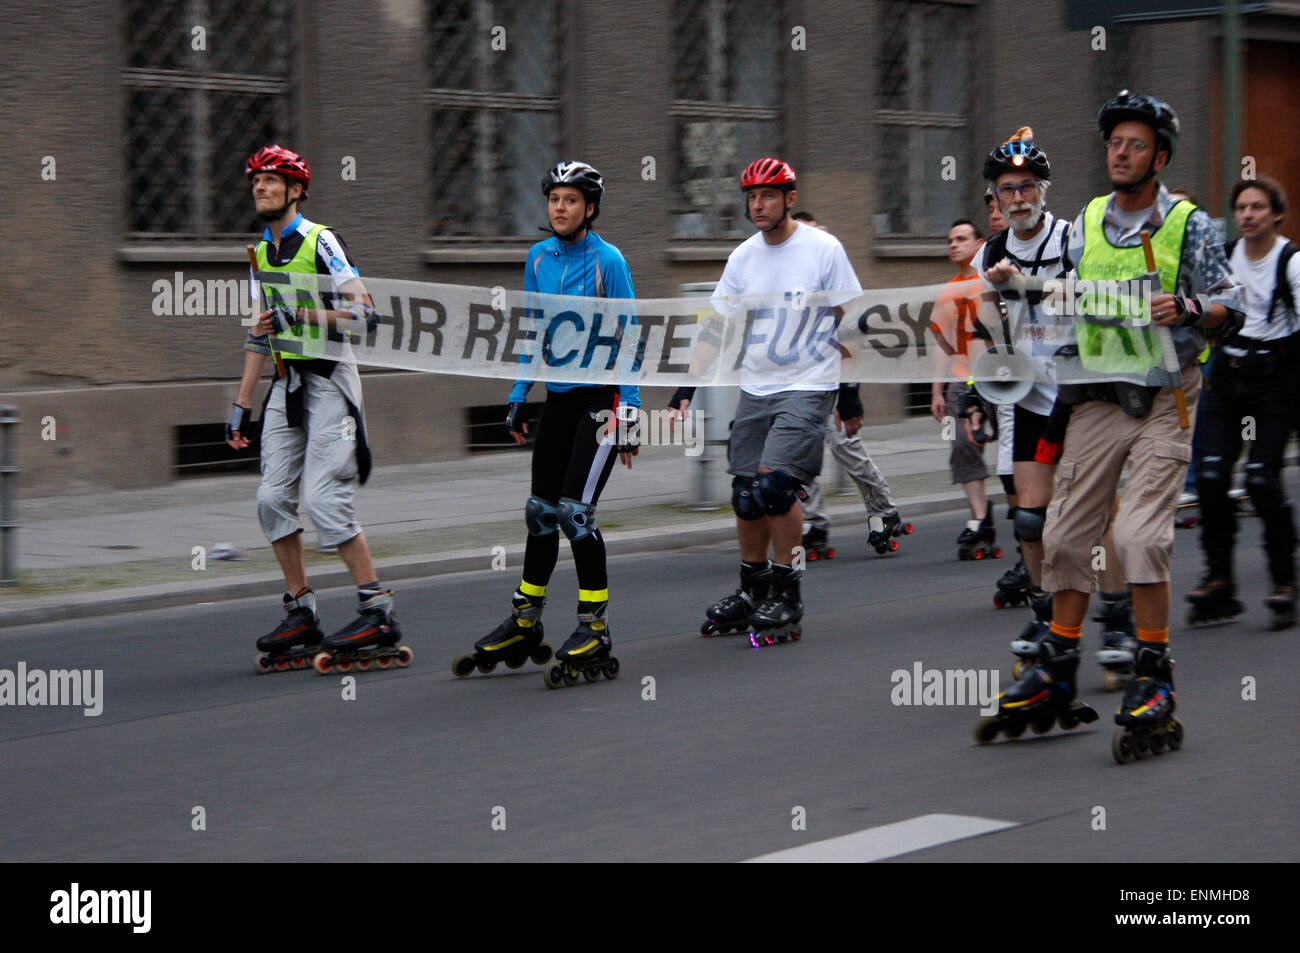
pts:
[787, 348]
[1035, 330]
[1258, 277]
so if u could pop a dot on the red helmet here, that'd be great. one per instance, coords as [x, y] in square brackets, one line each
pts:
[766, 171]
[281, 160]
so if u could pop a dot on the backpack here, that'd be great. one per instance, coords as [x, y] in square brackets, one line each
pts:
[1281, 287]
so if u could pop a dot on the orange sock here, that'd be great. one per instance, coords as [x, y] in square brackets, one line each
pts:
[1067, 631]
[1154, 635]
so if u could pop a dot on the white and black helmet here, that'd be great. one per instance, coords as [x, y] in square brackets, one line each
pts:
[580, 176]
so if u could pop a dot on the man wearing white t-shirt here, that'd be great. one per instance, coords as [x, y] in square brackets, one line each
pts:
[789, 382]
[1253, 377]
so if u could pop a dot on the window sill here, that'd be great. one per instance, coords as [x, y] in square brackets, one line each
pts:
[705, 251]
[910, 248]
[223, 253]
[496, 253]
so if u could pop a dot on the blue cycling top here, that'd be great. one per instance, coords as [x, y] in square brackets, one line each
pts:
[589, 268]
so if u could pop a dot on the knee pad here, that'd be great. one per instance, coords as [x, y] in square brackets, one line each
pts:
[1211, 473]
[1029, 523]
[743, 500]
[577, 520]
[540, 516]
[776, 492]
[1264, 488]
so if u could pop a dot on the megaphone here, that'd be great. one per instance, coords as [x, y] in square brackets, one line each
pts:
[1003, 375]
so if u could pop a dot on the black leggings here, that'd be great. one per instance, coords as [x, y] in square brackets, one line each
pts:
[569, 461]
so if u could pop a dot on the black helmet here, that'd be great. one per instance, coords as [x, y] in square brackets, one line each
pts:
[1018, 154]
[1156, 113]
[580, 176]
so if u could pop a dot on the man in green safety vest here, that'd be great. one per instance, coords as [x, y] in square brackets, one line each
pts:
[1118, 419]
[314, 449]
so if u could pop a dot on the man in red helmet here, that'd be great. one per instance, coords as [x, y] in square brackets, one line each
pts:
[314, 449]
[788, 393]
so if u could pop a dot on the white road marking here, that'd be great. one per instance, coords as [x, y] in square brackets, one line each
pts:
[888, 840]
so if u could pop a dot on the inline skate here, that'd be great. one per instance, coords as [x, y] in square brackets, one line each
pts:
[816, 544]
[883, 532]
[978, 540]
[1119, 640]
[292, 643]
[1043, 698]
[1214, 600]
[514, 641]
[779, 616]
[1281, 602]
[369, 640]
[1025, 647]
[731, 614]
[586, 654]
[1013, 589]
[1146, 715]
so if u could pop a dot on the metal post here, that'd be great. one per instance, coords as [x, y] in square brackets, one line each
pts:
[8, 491]
[1231, 109]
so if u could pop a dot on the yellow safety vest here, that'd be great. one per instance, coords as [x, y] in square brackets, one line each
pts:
[300, 342]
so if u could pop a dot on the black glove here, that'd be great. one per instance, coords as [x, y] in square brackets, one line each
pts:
[627, 433]
[970, 404]
[240, 418]
[679, 395]
[849, 404]
[283, 318]
[515, 419]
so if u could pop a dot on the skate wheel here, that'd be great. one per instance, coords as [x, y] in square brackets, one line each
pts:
[997, 553]
[302, 661]
[962, 554]
[1157, 743]
[1015, 729]
[591, 674]
[978, 554]
[907, 529]
[385, 661]
[363, 665]
[462, 666]
[812, 555]
[569, 674]
[322, 663]
[1043, 724]
[796, 636]
[1067, 722]
[342, 666]
[1113, 681]
[1140, 746]
[998, 601]
[516, 661]
[611, 668]
[893, 545]
[261, 665]
[487, 667]
[986, 730]
[1019, 668]
[1121, 746]
[542, 654]
[404, 656]
[553, 675]
[1174, 734]
[830, 554]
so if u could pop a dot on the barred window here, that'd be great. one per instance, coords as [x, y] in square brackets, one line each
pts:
[726, 109]
[207, 82]
[926, 65]
[494, 114]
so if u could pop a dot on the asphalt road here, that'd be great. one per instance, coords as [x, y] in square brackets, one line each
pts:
[737, 747]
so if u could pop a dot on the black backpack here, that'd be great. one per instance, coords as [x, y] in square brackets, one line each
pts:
[1281, 287]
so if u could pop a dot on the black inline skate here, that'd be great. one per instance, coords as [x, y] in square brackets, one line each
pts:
[514, 641]
[1025, 647]
[1013, 589]
[1214, 600]
[778, 617]
[1281, 602]
[978, 540]
[586, 654]
[731, 614]
[883, 532]
[1043, 698]
[1146, 715]
[1118, 642]
[292, 643]
[817, 544]
[369, 640]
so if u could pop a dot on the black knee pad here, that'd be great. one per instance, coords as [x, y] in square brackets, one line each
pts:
[776, 492]
[1029, 523]
[577, 519]
[743, 501]
[540, 516]
[1212, 475]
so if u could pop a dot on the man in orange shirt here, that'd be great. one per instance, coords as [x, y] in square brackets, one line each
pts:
[959, 336]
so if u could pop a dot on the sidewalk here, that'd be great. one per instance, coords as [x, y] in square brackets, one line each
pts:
[127, 550]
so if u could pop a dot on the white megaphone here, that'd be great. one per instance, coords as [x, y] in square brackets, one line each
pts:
[1003, 375]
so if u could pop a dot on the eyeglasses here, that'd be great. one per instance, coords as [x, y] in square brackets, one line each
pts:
[1028, 190]
[1135, 146]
